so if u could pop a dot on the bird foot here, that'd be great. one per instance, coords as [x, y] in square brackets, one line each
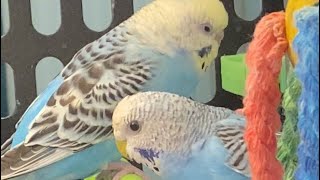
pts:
[123, 169]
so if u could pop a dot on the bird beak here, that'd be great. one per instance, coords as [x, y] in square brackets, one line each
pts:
[122, 148]
[205, 51]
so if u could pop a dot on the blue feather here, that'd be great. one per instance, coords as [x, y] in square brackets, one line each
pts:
[306, 45]
[206, 163]
[78, 166]
[175, 75]
[181, 80]
[34, 109]
[207, 160]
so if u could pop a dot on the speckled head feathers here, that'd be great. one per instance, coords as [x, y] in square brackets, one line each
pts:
[155, 117]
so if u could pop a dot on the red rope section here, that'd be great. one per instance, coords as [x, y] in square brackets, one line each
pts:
[262, 99]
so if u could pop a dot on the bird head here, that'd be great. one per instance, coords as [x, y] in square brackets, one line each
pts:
[195, 27]
[147, 125]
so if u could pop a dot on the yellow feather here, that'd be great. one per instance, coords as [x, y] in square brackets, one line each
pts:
[292, 6]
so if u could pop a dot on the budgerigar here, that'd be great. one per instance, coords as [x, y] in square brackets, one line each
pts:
[180, 139]
[66, 132]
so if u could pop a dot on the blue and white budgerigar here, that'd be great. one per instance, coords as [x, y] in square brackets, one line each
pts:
[66, 132]
[180, 139]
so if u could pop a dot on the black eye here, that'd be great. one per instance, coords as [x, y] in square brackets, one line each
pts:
[207, 29]
[134, 126]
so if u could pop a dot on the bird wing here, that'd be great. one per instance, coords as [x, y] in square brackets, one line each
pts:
[230, 132]
[79, 113]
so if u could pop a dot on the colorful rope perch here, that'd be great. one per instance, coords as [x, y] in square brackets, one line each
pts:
[306, 45]
[288, 143]
[263, 59]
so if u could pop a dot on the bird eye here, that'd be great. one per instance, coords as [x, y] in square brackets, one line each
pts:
[206, 27]
[134, 126]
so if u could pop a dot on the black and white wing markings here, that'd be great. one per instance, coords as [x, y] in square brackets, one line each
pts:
[6, 145]
[232, 138]
[111, 43]
[79, 113]
[106, 46]
[81, 109]
[23, 159]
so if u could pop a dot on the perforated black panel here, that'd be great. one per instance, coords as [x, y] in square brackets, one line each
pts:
[237, 33]
[23, 47]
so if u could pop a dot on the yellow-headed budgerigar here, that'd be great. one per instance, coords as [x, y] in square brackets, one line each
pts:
[66, 132]
[180, 139]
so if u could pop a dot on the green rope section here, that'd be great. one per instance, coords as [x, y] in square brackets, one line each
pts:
[109, 175]
[289, 140]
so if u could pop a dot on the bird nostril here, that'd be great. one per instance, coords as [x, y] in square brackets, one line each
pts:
[203, 64]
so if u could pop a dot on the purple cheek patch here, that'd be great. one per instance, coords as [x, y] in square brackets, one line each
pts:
[148, 154]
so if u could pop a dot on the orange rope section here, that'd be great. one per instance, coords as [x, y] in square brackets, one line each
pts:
[264, 59]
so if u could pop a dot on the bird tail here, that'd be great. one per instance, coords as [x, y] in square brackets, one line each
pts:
[5, 147]
[25, 159]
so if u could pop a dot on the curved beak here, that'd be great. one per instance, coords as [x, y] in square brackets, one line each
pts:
[122, 148]
[204, 51]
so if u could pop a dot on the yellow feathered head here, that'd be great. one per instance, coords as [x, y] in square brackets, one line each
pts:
[194, 26]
